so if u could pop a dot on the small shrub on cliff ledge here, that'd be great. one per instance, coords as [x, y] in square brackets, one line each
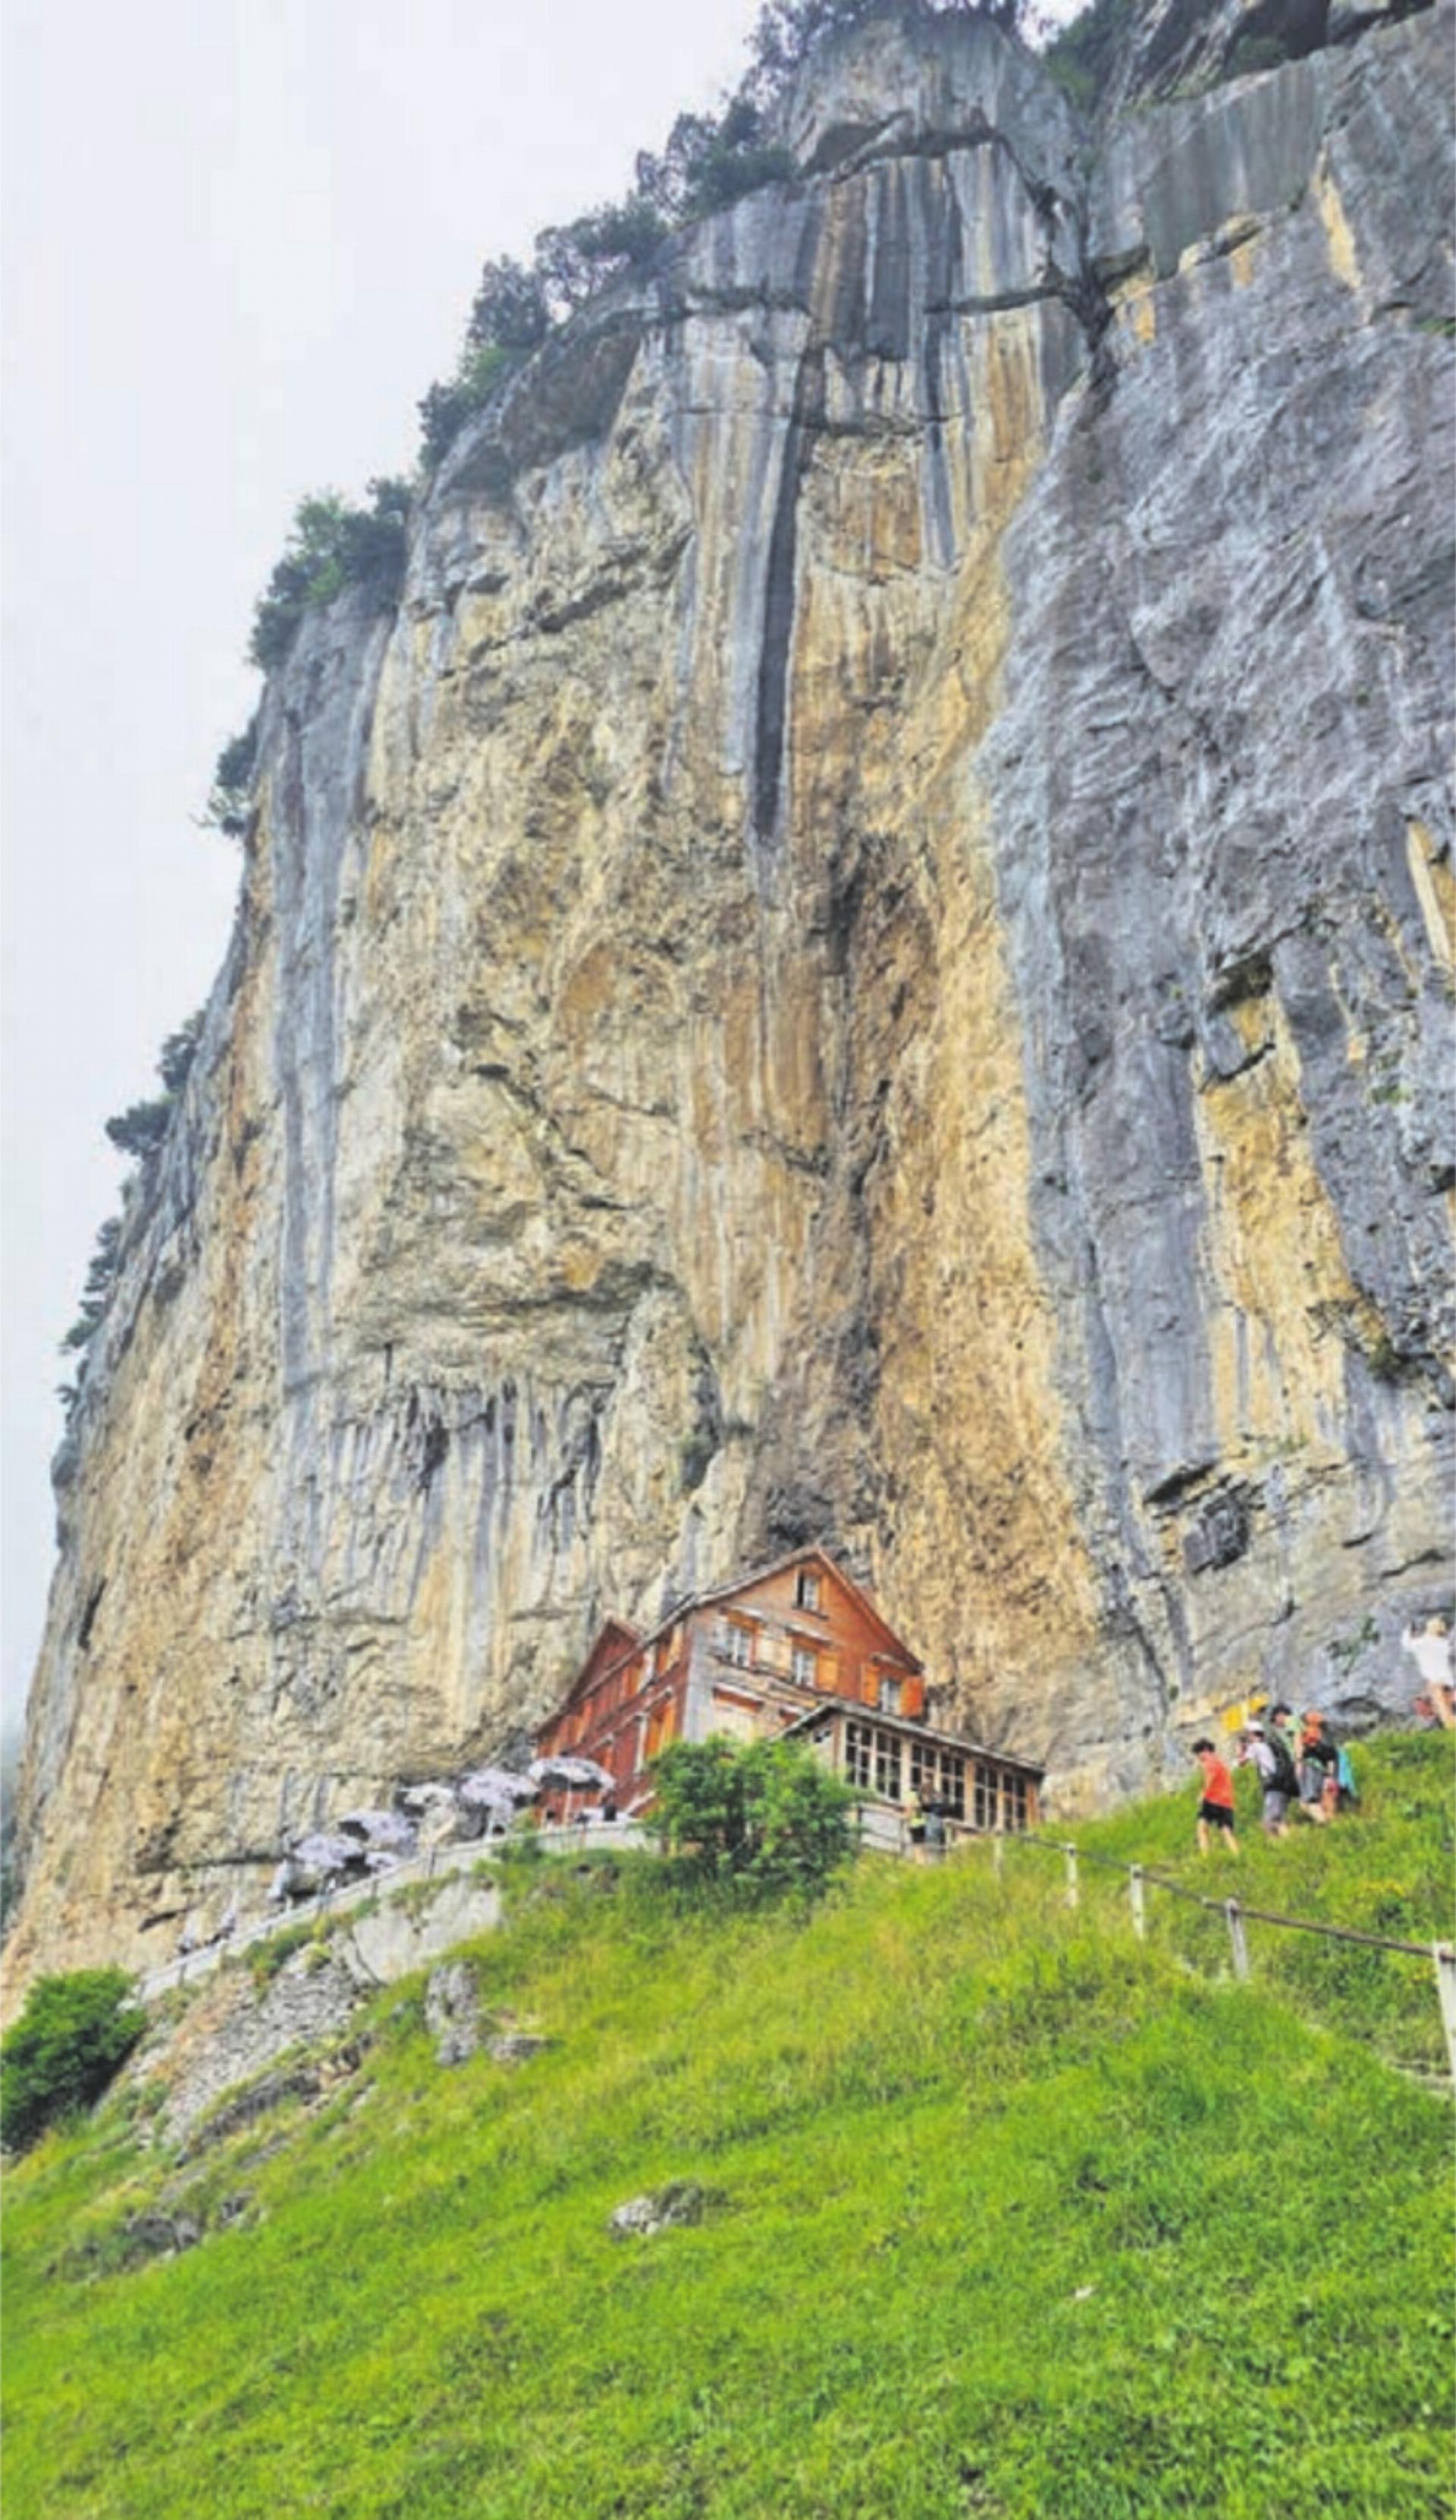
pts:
[330, 545]
[61, 2054]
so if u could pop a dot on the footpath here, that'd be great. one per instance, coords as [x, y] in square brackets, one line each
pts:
[880, 1833]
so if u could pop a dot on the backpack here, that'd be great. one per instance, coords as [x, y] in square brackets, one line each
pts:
[1346, 1775]
[1284, 1780]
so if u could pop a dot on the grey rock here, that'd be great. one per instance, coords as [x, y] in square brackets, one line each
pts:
[403, 1933]
[1218, 1535]
[302, 2082]
[157, 2235]
[304, 2007]
[682, 2201]
[515, 2046]
[452, 2012]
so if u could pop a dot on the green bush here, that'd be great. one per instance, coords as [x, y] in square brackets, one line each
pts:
[332, 546]
[61, 2054]
[267, 1956]
[444, 410]
[101, 1276]
[139, 1130]
[230, 799]
[763, 1821]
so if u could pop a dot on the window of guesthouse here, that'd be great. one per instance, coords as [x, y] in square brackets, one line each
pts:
[887, 1764]
[873, 1761]
[939, 1776]
[805, 1667]
[659, 1728]
[808, 1590]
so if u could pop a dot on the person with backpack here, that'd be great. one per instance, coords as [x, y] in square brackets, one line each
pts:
[1280, 1727]
[1347, 1791]
[1318, 1769]
[1269, 1753]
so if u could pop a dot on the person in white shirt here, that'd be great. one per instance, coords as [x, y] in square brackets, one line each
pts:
[1254, 1752]
[1429, 1643]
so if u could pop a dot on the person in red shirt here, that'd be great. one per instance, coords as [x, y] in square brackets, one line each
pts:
[1216, 1801]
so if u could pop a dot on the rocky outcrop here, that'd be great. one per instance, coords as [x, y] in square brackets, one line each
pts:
[868, 957]
[681, 2204]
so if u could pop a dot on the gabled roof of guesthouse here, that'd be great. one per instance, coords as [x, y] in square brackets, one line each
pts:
[836, 1574]
[617, 1641]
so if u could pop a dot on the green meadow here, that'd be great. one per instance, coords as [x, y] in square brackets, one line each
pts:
[1008, 2214]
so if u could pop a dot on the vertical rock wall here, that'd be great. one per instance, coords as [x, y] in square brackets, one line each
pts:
[867, 958]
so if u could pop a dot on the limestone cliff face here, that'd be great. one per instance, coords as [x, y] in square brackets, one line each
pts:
[868, 957]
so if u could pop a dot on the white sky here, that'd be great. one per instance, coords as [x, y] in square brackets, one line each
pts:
[241, 237]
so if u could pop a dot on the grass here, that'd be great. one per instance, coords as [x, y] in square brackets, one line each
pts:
[1015, 2217]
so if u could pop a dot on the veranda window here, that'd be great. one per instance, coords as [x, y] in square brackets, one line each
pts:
[887, 1766]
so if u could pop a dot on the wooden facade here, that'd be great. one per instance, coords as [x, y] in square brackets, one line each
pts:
[797, 1648]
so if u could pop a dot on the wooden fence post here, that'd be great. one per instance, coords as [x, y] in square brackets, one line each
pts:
[1235, 1915]
[1445, 1987]
[1072, 1893]
[1137, 1901]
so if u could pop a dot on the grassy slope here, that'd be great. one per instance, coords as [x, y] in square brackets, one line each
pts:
[1016, 2218]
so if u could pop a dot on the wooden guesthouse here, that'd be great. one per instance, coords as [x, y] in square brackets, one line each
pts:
[797, 1648]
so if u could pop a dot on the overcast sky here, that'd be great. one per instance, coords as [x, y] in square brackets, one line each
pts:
[241, 237]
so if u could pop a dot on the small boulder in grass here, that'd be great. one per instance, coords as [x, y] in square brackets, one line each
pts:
[682, 2200]
[452, 2013]
[515, 2046]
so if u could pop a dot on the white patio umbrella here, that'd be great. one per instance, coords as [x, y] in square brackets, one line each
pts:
[323, 1854]
[381, 1829]
[570, 1770]
[494, 1786]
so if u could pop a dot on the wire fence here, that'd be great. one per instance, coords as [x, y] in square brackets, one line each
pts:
[440, 1863]
[1140, 1878]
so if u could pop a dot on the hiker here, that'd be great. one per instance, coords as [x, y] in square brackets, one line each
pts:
[914, 1826]
[1318, 1769]
[1429, 1646]
[1280, 1729]
[1269, 1754]
[1216, 1802]
[1347, 1792]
